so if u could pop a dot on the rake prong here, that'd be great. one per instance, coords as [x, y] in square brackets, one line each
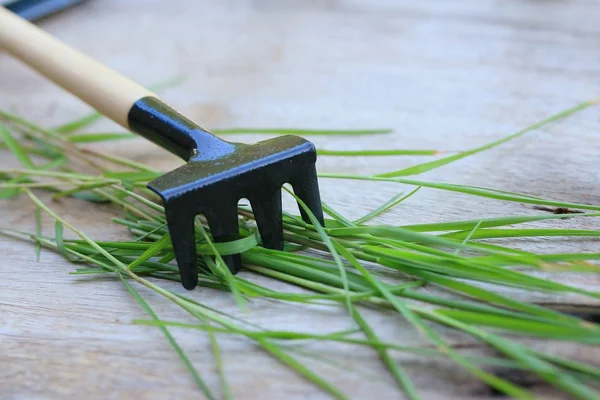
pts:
[268, 213]
[181, 228]
[224, 226]
[306, 187]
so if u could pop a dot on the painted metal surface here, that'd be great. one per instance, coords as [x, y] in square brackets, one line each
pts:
[36, 9]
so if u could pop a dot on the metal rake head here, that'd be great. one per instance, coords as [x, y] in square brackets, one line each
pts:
[213, 187]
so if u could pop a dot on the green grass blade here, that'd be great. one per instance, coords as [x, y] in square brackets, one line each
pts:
[421, 168]
[151, 251]
[58, 233]
[329, 244]
[397, 199]
[522, 354]
[219, 362]
[470, 190]
[339, 218]
[480, 272]
[520, 233]
[80, 123]
[307, 373]
[188, 364]
[38, 232]
[491, 222]
[542, 329]
[495, 298]
[137, 176]
[81, 188]
[570, 364]
[224, 271]
[15, 147]
[401, 378]
[468, 238]
[99, 137]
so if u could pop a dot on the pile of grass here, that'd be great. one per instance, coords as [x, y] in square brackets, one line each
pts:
[353, 264]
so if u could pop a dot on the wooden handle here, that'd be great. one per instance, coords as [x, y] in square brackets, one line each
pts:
[108, 92]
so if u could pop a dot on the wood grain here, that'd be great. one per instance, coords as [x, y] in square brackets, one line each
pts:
[446, 75]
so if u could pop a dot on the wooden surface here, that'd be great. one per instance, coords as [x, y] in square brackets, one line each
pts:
[447, 75]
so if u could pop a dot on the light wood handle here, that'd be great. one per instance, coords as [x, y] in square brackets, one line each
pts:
[107, 91]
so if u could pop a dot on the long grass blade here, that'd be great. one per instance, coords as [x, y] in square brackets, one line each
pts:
[421, 168]
[397, 199]
[188, 364]
[15, 147]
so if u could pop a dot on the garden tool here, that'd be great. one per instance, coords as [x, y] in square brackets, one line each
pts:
[217, 173]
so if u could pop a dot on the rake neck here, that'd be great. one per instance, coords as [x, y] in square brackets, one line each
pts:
[159, 123]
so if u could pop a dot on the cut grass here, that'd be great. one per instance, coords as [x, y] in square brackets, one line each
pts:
[333, 263]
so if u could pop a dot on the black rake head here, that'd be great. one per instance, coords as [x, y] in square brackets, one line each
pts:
[213, 187]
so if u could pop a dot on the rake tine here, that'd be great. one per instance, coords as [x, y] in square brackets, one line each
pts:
[224, 226]
[268, 214]
[306, 187]
[181, 228]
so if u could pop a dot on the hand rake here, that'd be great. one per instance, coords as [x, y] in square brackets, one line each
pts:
[217, 173]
